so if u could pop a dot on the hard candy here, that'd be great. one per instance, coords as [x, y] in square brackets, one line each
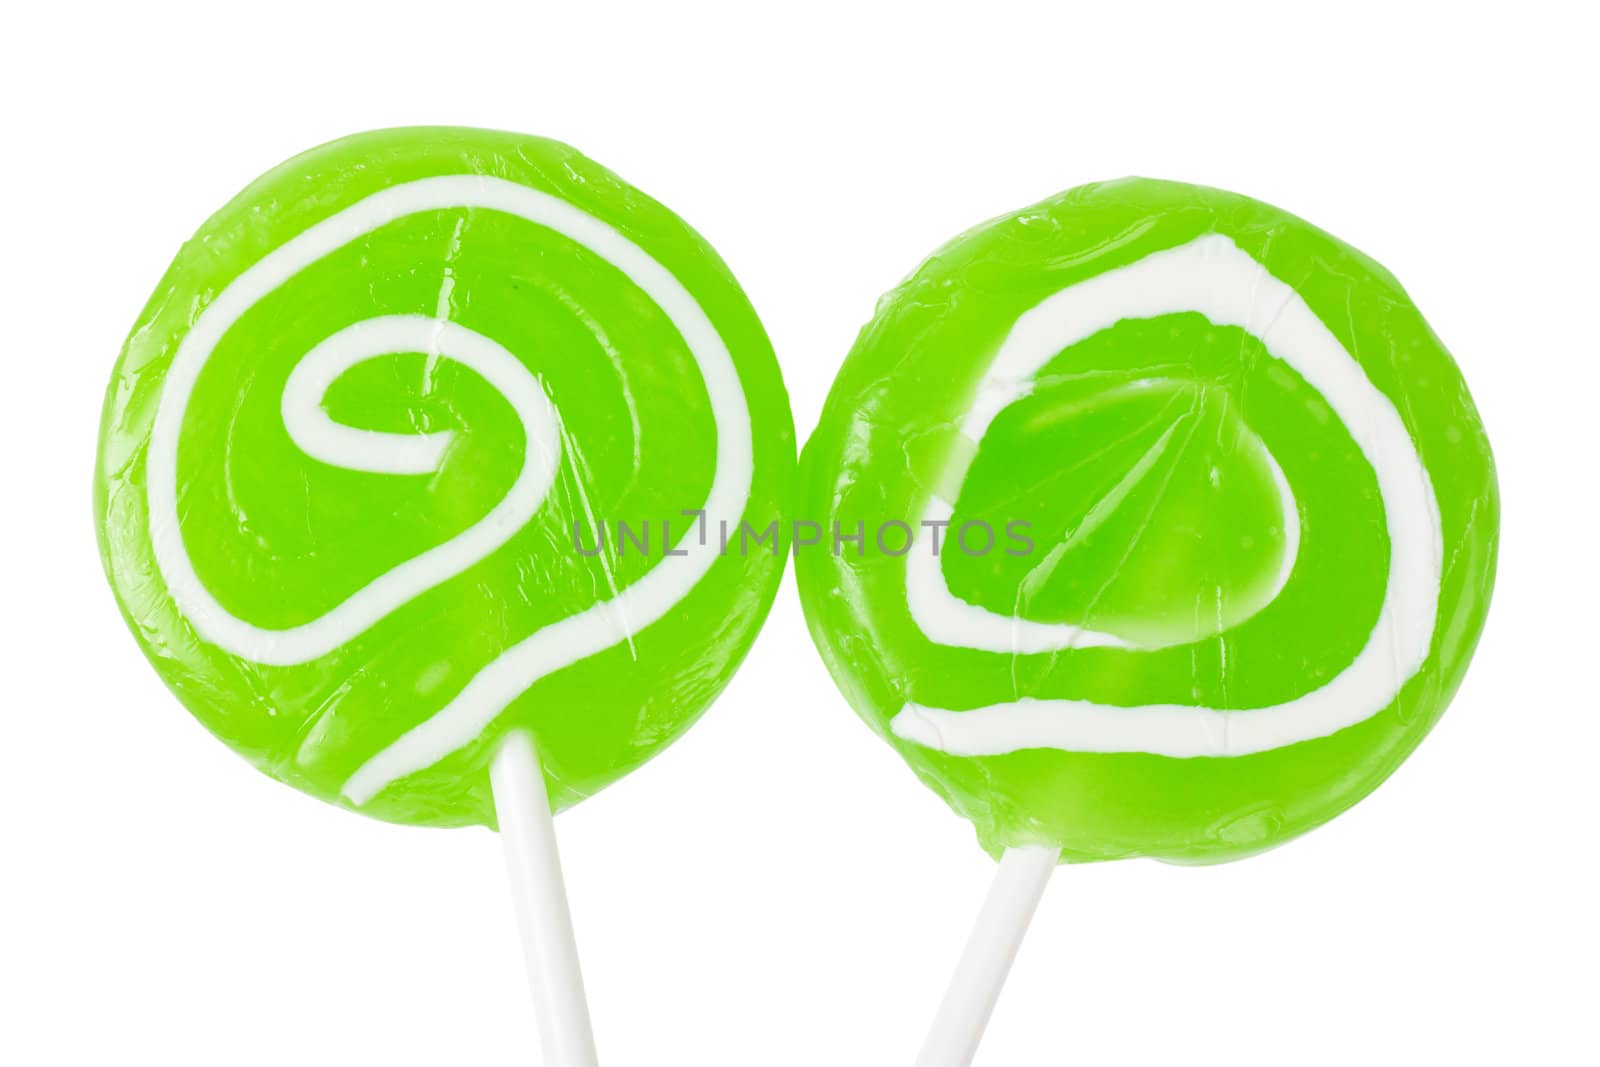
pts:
[1216, 522]
[365, 450]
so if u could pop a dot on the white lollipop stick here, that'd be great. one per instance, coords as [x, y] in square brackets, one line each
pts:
[527, 830]
[1018, 884]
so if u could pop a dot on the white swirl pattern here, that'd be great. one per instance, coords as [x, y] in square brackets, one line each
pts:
[1214, 277]
[549, 649]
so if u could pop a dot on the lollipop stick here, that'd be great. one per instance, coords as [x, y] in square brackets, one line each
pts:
[527, 830]
[1018, 884]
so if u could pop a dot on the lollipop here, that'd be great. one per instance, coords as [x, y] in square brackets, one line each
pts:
[415, 463]
[1185, 529]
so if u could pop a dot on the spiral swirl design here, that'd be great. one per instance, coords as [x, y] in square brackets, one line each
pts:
[1213, 276]
[559, 644]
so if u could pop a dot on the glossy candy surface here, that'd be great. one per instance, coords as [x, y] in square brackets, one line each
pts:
[365, 452]
[1216, 524]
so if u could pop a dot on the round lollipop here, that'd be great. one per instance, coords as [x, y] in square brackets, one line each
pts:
[1185, 532]
[416, 463]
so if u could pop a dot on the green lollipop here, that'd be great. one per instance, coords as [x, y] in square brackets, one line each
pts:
[424, 443]
[1202, 519]
[364, 453]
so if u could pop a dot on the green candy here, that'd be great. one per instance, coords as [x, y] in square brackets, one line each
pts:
[365, 452]
[1240, 512]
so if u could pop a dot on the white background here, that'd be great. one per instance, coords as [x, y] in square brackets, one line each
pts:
[777, 889]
